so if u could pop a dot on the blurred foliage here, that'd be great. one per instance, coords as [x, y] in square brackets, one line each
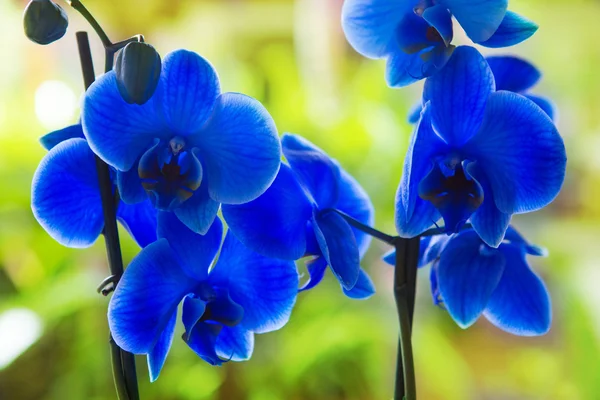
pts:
[292, 55]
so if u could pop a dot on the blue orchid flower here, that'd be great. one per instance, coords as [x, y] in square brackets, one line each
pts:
[477, 154]
[513, 74]
[295, 218]
[518, 75]
[65, 195]
[243, 294]
[471, 278]
[189, 147]
[415, 35]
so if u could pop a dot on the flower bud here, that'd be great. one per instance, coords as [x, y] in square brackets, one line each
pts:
[44, 21]
[138, 70]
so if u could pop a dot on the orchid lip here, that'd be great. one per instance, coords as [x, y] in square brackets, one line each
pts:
[170, 173]
[452, 190]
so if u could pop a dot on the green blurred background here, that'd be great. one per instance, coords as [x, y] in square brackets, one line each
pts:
[292, 56]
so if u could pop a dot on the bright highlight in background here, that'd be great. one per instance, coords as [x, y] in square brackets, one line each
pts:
[55, 104]
[19, 329]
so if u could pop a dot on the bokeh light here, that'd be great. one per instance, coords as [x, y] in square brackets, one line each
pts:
[55, 104]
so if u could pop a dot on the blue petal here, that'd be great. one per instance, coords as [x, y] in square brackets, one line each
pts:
[339, 247]
[53, 138]
[193, 310]
[515, 238]
[235, 343]
[239, 148]
[402, 69]
[139, 220]
[458, 95]
[130, 186]
[318, 173]
[415, 113]
[545, 104]
[415, 33]
[275, 223]
[439, 17]
[223, 309]
[536, 251]
[520, 304]
[158, 355]
[424, 214]
[432, 249]
[312, 245]
[489, 222]
[146, 298]
[194, 252]
[413, 214]
[513, 73]
[65, 196]
[514, 29]
[354, 201]
[468, 273]
[521, 153]
[203, 339]
[199, 211]
[363, 289]
[433, 284]
[479, 19]
[316, 269]
[390, 257]
[266, 288]
[453, 191]
[189, 89]
[119, 132]
[370, 25]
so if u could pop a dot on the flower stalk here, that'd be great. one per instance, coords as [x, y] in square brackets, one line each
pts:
[405, 280]
[124, 373]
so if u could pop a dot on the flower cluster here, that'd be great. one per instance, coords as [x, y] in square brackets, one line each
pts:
[173, 161]
[415, 36]
[483, 149]
[179, 150]
[301, 214]
[243, 294]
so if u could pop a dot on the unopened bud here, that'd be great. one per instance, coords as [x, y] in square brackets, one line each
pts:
[138, 70]
[44, 21]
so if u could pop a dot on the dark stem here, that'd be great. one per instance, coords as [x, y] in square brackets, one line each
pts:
[405, 372]
[411, 262]
[77, 5]
[405, 281]
[110, 48]
[118, 373]
[126, 374]
[384, 237]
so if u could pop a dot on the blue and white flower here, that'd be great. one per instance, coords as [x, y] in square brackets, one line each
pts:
[223, 307]
[415, 36]
[296, 217]
[190, 147]
[477, 154]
